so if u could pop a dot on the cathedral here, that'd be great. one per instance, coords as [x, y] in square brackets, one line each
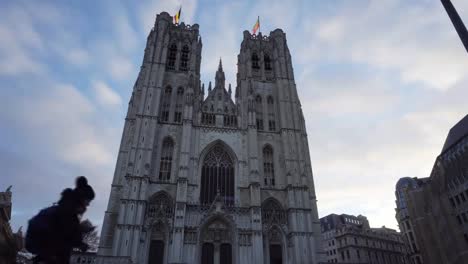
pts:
[212, 174]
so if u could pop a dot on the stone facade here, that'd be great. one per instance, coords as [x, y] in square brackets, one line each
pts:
[405, 221]
[350, 239]
[439, 206]
[201, 178]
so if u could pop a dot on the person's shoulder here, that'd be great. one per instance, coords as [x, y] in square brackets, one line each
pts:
[48, 212]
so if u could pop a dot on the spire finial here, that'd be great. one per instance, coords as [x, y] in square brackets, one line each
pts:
[220, 66]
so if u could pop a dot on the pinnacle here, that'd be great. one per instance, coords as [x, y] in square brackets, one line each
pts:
[220, 66]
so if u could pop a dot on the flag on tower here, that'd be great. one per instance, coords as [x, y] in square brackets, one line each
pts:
[256, 26]
[177, 16]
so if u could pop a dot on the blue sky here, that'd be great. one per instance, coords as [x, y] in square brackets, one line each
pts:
[381, 82]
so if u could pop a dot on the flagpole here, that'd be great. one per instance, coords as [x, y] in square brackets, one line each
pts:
[259, 25]
[457, 22]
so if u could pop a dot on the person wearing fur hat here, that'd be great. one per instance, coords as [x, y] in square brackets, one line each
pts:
[55, 231]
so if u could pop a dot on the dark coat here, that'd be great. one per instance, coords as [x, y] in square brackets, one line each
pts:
[53, 233]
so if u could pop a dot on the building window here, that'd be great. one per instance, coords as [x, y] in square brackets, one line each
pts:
[217, 176]
[171, 57]
[208, 119]
[452, 202]
[358, 254]
[462, 195]
[259, 111]
[230, 121]
[179, 105]
[268, 167]
[267, 62]
[347, 254]
[459, 220]
[166, 104]
[255, 64]
[166, 159]
[457, 199]
[184, 58]
[464, 217]
[271, 114]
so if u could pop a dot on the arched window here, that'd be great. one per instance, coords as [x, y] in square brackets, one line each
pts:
[255, 60]
[166, 159]
[267, 61]
[259, 110]
[273, 213]
[179, 105]
[217, 176]
[166, 104]
[271, 114]
[184, 58]
[160, 205]
[268, 166]
[171, 57]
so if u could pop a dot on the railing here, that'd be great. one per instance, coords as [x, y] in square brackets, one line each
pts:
[92, 258]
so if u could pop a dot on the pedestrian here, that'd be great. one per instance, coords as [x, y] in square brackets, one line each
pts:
[55, 231]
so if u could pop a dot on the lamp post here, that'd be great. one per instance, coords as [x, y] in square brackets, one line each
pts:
[457, 22]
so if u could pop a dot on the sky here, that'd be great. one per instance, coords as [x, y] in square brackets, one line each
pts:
[381, 82]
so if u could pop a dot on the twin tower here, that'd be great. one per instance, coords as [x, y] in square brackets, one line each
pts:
[202, 178]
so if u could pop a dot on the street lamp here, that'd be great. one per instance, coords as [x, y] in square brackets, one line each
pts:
[457, 22]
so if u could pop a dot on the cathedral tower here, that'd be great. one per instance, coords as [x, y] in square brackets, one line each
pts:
[201, 178]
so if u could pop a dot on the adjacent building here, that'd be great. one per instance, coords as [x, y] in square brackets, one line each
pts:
[350, 239]
[203, 178]
[405, 222]
[437, 208]
[10, 242]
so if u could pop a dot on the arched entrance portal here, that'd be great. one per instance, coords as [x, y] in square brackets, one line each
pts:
[216, 240]
[157, 246]
[160, 210]
[273, 218]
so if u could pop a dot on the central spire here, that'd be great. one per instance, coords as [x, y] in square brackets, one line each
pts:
[220, 66]
[220, 79]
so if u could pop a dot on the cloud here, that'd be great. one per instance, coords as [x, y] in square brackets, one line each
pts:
[77, 56]
[105, 95]
[414, 39]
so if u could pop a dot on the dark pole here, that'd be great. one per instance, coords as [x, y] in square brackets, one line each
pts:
[457, 22]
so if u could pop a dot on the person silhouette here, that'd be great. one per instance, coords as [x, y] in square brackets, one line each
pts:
[56, 230]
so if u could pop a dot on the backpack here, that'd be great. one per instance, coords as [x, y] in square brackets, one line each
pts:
[40, 227]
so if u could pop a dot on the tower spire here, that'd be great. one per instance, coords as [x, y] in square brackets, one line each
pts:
[219, 78]
[220, 66]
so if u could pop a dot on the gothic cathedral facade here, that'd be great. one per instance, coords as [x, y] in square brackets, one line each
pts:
[203, 179]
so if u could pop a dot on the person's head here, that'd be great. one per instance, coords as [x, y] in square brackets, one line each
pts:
[78, 199]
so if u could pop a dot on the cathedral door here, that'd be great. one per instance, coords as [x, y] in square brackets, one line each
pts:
[207, 253]
[276, 256]
[156, 253]
[225, 256]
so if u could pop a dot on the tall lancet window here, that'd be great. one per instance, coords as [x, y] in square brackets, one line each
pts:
[255, 64]
[268, 166]
[271, 114]
[259, 111]
[166, 159]
[184, 58]
[267, 61]
[165, 104]
[217, 177]
[171, 57]
[179, 105]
